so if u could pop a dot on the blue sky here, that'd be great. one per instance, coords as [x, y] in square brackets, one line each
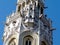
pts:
[53, 12]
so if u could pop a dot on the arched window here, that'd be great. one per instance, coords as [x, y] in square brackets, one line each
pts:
[12, 42]
[28, 42]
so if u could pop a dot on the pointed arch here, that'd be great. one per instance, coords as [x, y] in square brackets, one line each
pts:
[27, 40]
[12, 42]
[28, 37]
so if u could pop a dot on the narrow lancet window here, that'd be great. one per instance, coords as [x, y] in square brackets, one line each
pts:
[28, 42]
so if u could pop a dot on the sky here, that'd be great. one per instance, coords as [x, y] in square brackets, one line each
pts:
[53, 12]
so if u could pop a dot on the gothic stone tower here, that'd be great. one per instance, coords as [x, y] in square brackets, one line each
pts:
[28, 25]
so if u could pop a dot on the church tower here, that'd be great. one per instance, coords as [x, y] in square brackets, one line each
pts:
[28, 25]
